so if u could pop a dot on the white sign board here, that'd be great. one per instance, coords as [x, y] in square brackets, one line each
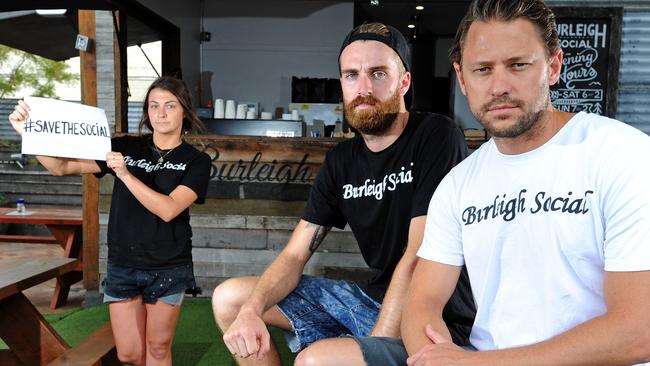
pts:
[65, 129]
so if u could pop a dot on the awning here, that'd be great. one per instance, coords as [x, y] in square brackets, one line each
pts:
[54, 37]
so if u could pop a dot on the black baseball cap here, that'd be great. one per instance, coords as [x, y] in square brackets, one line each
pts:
[395, 40]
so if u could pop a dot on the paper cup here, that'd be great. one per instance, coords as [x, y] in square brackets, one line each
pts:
[219, 108]
[230, 109]
[241, 111]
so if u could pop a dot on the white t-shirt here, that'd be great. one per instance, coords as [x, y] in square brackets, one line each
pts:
[536, 230]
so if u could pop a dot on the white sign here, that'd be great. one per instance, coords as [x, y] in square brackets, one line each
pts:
[65, 129]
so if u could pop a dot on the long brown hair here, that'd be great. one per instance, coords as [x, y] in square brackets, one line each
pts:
[191, 123]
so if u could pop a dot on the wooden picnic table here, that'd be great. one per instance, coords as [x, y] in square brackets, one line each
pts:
[65, 225]
[31, 339]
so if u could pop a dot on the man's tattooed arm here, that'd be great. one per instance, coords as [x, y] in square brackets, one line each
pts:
[319, 234]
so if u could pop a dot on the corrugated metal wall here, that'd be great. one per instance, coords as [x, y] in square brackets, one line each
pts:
[634, 77]
[634, 73]
[6, 131]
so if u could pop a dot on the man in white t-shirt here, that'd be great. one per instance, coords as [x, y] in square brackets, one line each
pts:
[551, 216]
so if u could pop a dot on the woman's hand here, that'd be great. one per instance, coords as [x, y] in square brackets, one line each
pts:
[115, 161]
[19, 116]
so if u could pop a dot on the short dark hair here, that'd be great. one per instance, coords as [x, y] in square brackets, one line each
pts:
[191, 123]
[377, 28]
[535, 11]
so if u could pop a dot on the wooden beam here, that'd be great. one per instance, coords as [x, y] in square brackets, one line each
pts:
[121, 84]
[30, 337]
[90, 198]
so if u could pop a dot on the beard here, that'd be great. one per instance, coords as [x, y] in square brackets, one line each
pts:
[524, 123]
[376, 119]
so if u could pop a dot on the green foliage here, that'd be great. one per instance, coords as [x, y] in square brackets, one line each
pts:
[25, 70]
[8, 145]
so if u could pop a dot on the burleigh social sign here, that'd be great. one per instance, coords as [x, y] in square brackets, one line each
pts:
[261, 167]
[590, 41]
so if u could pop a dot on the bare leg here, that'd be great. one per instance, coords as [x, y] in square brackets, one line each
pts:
[128, 320]
[161, 324]
[331, 352]
[228, 298]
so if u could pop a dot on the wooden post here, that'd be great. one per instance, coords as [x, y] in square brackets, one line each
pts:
[90, 196]
[121, 84]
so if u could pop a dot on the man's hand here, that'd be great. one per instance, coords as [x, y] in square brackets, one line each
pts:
[441, 352]
[247, 336]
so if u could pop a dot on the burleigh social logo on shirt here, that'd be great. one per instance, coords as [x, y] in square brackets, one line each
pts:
[149, 166]
[507, 208]
[372, 188]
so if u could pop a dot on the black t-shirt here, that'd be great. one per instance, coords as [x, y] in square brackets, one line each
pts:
[378, 193]
[136, 237]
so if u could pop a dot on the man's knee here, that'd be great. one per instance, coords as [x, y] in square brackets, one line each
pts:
[332, 351]
[307, 357]
[228, 298]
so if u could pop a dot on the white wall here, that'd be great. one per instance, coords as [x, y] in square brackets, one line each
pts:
[257, 46]
[185, 15]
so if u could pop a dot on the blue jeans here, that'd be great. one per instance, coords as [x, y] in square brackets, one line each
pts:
[167, 285]
[320, 308]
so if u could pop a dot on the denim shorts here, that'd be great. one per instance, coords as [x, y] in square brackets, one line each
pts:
[167, 285]
[386, 351]
[320, 308]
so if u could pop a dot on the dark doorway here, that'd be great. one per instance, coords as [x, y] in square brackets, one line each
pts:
[430, 35]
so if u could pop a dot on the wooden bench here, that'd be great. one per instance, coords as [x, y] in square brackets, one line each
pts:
[98, 349]
[31, 239]
[65, 225]
[31, 339]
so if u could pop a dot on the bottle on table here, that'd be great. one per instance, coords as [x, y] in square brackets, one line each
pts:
[20, 205]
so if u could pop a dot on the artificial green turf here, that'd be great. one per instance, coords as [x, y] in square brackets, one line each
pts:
[197, 340]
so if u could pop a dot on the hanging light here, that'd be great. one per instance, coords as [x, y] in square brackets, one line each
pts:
[51, 12]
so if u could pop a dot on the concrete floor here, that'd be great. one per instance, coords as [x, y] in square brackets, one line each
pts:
[40, 295]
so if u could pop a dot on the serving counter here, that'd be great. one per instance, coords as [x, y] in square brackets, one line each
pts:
[254, 175]
[273, 168]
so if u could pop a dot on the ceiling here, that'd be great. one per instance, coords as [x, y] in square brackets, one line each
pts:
[54, 37]
[437, 19]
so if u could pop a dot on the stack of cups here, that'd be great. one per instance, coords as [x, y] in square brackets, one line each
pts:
[219, 109]
[241, 111]
[251, 113]
[294, 115]
[267, 115]
[230, 109]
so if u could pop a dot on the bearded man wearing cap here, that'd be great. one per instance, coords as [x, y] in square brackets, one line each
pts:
[380, 183]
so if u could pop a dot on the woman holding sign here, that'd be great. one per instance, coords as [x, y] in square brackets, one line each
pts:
[159, 176]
